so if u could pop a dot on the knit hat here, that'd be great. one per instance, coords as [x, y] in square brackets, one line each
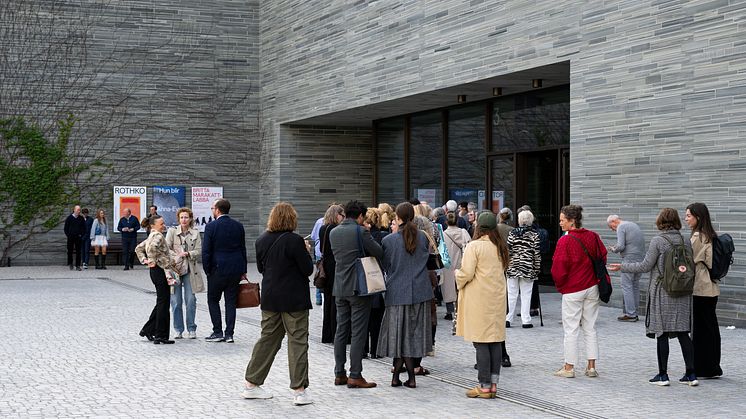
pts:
[487, 220]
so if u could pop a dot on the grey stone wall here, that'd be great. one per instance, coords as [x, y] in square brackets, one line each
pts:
[656, 96]
[188, 75]
[320, 165]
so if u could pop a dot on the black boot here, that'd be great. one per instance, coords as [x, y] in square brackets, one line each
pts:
[98, 261]
[103, 261]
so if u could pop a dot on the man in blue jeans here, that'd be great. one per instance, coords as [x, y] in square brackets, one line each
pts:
[630, 244]
[224, 261]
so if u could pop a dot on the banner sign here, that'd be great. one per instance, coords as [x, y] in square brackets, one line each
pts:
[202, 199]
[132, 198]
[168, 199]
[498, 201]
[427, 196]
[464, 195]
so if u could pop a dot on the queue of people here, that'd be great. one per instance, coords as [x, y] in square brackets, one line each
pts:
[489, 270]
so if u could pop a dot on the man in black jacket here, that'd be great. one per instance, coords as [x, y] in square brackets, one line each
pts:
[74, 230]
[128, 226]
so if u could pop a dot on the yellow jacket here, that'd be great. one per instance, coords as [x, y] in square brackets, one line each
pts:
[482, 299]
[703, 286]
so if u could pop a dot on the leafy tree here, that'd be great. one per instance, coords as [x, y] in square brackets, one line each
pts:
[37, 180]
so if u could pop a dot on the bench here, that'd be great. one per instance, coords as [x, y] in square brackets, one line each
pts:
[114, 249]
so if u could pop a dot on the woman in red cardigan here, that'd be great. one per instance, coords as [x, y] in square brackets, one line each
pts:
[575, 279]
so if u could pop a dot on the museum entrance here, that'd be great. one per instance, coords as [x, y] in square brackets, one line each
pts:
[540, 179]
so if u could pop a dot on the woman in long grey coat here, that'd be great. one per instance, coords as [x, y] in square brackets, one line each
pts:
[667, 317]
[405, 330]
[456, 239]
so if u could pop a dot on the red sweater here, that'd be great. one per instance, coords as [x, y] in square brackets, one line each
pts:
[571, 267]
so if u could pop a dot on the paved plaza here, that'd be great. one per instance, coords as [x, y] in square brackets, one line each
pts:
[70, 348]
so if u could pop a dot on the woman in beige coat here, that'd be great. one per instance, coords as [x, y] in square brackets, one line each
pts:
[482, 303]
[185, 245]
[705, 328]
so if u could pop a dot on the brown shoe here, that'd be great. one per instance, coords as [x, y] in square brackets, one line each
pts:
[340, 380]
[478, 393]
[359, 383]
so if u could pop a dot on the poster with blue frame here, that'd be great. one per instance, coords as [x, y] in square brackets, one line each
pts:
[169, 199]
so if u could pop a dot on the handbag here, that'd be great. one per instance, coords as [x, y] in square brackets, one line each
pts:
[248, 294]
[442, 249]
[319, 278]
[369, 275]
[434, 260]
[599, 269]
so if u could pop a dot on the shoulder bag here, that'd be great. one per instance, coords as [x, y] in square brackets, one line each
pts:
[434, 260]
[319, 279]
[599, 269]
[249, 294]
[369, 275]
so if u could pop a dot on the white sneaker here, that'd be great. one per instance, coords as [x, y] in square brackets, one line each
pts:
[85, 266]
[256, 393]
[301, 397]
[192, 335]
[179, 335]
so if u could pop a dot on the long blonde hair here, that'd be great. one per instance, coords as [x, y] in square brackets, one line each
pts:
[387, 215]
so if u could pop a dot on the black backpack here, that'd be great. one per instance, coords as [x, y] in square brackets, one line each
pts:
[722, 256]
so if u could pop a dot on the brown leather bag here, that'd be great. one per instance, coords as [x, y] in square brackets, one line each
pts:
[248, 295]
[319, 279]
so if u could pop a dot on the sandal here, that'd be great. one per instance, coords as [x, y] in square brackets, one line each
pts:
[421, 371]
[410, 384]
[396, 382]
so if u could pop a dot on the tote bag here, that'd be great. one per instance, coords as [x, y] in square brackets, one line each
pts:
[369, 275]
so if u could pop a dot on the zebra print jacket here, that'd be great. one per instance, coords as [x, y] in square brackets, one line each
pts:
[525, 259]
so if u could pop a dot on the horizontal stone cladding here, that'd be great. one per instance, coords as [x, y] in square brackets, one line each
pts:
[320, 165]
[195, 65]
[657, 88]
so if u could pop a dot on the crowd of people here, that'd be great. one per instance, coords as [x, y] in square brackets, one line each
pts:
[490, 264]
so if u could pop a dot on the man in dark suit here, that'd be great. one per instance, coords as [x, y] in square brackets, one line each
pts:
[224, 260]
[86, 237]
[74, 230]
[128, 226]
[353, 311]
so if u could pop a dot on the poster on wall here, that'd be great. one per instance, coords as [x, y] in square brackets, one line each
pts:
[168, 199]
[464, 195]
[482, 199]
[426, 196]
[498, 201]
[202, 199]
[132, 198]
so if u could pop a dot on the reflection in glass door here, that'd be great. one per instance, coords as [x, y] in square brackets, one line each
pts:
[502, 188]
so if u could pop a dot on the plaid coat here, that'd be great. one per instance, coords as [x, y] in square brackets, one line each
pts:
[664, 313]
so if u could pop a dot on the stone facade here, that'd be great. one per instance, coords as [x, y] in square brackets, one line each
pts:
[656, 88]
[657, 95]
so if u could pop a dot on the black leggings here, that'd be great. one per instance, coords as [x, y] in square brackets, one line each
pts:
[687, 349]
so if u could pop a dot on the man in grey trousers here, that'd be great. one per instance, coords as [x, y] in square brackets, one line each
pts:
[630, 244]
[353, 311]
